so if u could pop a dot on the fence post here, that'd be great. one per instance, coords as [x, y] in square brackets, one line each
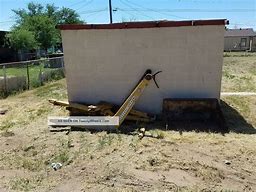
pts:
[28, 74]
[62, 62]
[62, 66]
[40, 76]
[5, 80]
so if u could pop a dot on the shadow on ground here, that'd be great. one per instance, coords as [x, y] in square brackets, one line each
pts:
[235, 122]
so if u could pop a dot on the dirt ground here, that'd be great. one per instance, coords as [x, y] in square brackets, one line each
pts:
[100, 161]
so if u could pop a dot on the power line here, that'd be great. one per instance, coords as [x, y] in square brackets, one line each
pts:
[10, 21]
[213, 1]
[192, 10]
[155, 10]
[128, 5]
[93, 14]
[133, 16]
[93, 11]
[86, 4]
[77, 3]
[244, 24]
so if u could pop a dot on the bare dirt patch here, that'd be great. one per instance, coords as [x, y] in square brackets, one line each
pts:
[101, 161]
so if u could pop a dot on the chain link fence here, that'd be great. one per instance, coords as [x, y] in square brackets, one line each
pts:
[19, 76]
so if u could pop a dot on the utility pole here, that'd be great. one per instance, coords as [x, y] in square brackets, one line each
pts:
[110, 11]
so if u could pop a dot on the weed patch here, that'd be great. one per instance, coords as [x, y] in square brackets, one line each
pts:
[25, 184]
[105, 140]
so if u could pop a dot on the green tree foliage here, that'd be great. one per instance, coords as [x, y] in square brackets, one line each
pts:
[67, 16]
[44, 29]
[41, 21]
[22, 39]
[58, 15]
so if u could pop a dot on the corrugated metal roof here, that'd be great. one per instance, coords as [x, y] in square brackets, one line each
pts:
[144, 24]
[240, 32]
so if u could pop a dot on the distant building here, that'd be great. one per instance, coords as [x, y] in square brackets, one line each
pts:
[240, 40]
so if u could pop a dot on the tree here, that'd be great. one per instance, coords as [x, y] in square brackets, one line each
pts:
[67, 16]
[59, 16]
[22, 39]
[44, 29]
[41, 22]
[32, 10]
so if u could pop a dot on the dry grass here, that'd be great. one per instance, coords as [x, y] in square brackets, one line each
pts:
[239, 72]
[31, 105]
[240, 113]
[102, 161]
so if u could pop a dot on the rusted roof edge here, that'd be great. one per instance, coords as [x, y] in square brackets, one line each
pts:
[145, 24]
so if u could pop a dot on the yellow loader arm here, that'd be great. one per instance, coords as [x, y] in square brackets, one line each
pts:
[135, 95]
[126, 107]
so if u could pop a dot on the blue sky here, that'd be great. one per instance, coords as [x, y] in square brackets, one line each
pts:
[240, 13]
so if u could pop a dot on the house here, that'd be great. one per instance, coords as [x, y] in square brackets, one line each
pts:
[103, 62]
[240, 40]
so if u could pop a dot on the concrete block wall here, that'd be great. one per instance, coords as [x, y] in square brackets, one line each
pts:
[106, 64]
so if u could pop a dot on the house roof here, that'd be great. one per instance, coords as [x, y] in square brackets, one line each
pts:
[240, 32]
[147, 24]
